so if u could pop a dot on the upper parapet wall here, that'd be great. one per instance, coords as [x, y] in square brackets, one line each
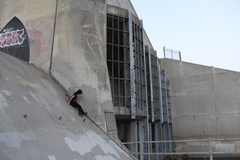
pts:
[205, 98]
[189, 68]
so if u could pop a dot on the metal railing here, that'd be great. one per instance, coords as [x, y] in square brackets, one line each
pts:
[211, 148]
[172, 54]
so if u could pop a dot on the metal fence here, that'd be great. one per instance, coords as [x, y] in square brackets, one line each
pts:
[172, 54]
[197, 148]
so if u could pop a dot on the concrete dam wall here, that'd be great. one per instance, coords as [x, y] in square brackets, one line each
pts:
[37, 123]
[66, 39]
[100, 47]
[205, 105]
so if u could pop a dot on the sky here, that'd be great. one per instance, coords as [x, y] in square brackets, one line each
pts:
[206, 32]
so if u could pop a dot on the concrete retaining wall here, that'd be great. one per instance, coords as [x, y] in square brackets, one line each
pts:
[205, 100]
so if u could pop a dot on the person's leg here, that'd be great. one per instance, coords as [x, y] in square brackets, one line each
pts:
[81, 110]
[75, 104]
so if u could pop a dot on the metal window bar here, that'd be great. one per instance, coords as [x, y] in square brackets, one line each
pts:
[118, 59]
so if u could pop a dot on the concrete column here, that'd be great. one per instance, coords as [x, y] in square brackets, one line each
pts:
[151, 90]
[143, 133]
[132, 68]
[130, 135]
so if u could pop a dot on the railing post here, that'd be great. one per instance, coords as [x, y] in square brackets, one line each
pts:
[164, 52]
[210, 150]
[141, 150]
[180, 57]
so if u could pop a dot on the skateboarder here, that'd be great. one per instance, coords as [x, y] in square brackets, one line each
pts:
[73, 102]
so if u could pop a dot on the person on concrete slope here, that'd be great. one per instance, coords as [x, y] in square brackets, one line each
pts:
[73, 102]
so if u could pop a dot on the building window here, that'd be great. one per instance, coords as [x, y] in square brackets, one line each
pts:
[118, 59]
[139, 66]
[155, 87]
[152, 83]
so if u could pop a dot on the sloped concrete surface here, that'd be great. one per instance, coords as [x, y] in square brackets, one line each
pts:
[37, 123]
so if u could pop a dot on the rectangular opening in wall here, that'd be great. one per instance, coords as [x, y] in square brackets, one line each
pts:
[115, 67]
[139, 67]
[118, 57]
[115, 53]
[121, 68]
[121, 23]
[121, 54]
[109, 35]
[109, 21]
[116, 37]
[115, 22]
[109, 51]
[116, 88]
[109, 64]
[120, 38]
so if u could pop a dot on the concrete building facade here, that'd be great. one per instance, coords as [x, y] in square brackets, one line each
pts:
[101, 47]
[205, 105]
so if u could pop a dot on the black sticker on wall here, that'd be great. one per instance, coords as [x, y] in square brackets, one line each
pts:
[14, 40]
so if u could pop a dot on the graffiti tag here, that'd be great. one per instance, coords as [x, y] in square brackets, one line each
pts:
[11, 38]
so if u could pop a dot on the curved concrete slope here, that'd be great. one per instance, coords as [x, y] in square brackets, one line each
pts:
[37, 123]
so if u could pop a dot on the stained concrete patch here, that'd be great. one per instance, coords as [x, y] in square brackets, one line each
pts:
[4, 94]
[3, 101]
[14, 139]
[25, 98]
[90, 140]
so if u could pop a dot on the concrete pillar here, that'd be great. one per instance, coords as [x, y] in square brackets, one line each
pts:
[132, 68]
[130, 135]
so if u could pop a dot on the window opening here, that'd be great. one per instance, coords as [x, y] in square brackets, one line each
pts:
[118, 59]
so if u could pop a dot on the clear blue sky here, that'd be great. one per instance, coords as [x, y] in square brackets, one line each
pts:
[206, 32]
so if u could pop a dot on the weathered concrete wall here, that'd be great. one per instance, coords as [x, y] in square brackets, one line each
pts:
[68, 38]
[37, 123]
[79, 56]
[38, 19]
[78, 59]
[205, 100]
[126, 4]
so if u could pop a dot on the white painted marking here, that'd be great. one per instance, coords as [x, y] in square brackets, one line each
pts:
[3, 100]
[86, 26]
[26, 99]
[7, 93]
[51, 158]
[99, 157]
[85, 143]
